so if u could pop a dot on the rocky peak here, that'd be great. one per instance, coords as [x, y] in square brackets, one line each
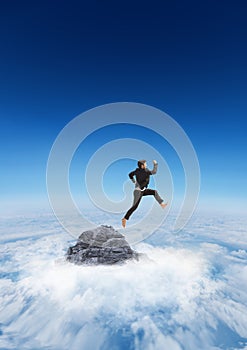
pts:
[102, 245]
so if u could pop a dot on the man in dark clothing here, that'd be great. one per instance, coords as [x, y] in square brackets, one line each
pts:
[141, 181]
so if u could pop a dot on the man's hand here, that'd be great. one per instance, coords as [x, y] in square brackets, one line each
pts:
[155, 161]
[133, 180]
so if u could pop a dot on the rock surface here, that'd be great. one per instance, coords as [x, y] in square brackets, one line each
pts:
[102, 245]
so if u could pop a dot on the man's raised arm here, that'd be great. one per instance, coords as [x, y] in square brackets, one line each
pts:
[154, 171]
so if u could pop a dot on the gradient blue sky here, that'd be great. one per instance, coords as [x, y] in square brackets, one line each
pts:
[187, 58]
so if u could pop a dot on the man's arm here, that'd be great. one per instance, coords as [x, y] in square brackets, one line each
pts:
[131, 176]
[154, 171]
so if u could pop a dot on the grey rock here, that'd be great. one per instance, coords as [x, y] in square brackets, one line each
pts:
[103, 245]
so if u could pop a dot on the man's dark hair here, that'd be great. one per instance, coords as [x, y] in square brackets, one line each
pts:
[141, 162]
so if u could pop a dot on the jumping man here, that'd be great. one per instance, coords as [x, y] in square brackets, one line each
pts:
[141, 181]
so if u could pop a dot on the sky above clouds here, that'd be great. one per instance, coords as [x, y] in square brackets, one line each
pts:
[59, 59]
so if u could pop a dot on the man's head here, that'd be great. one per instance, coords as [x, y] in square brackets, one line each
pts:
[142, 164]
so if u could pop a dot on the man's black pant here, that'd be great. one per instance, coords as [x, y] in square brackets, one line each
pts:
[138, 194]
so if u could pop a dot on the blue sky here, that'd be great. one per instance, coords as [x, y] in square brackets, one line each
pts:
[60, 58]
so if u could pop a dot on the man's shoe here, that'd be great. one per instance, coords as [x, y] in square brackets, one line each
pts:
[124, 222]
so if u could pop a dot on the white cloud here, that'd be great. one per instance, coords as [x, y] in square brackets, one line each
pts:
[192, 286]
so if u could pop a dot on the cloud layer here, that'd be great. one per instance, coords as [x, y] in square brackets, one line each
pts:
[187, 292]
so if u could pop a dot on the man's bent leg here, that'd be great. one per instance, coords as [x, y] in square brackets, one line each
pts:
[149, 192]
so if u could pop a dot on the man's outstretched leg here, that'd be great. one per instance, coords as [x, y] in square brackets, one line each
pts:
[137, 198]
[149, 192]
